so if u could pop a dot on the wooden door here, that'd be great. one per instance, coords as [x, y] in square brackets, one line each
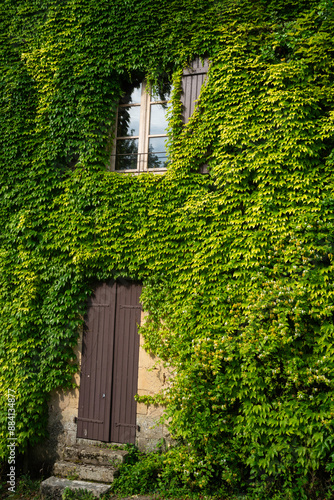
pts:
[109, 365]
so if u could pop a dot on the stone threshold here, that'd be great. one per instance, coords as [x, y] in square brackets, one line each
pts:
[53, 487]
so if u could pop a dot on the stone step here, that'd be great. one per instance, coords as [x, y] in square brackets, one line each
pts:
[94, 455]
[53, 487]
[85, 472]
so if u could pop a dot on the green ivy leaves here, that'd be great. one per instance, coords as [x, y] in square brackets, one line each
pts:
[237, 265]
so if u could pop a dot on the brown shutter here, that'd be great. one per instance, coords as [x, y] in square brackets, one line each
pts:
[192, 81]
[128, 312]
[97, 365]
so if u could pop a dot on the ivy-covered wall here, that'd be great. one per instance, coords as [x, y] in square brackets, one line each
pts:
[237, 265]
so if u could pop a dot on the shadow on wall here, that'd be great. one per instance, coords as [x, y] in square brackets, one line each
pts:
[63, 408]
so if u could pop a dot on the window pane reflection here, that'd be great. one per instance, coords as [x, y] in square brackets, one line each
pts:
[126, 154]
[157, 157]
[163, 93]
[128, 121]
[158, 122]
[132, 95]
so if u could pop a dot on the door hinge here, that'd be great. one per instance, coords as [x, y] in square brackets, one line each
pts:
[129, 307]
[92, 420]
[117, 424]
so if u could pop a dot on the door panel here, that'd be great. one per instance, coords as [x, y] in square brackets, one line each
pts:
[123, 422]
[109, 366]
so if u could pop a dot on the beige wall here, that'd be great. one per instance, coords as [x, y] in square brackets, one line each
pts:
[152, 377]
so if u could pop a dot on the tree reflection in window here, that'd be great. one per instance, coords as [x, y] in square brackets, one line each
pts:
[141, 129]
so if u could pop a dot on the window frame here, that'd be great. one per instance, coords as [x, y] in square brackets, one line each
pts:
[144, 136]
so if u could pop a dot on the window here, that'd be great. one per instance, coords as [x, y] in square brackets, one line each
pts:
[141, 131]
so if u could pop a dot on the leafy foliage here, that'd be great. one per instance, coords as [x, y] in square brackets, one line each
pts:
[77, 494]
[237, 265]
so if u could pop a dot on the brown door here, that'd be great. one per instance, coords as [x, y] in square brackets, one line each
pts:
[109, 365]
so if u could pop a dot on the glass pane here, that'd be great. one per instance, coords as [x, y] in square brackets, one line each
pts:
[126, 154]
[158, 122]
[128, 121]
[132, 95]
[157, 157]
[163, 93]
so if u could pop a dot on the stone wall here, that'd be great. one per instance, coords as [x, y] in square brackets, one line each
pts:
[152, 377]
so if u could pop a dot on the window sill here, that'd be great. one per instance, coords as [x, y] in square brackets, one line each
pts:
[137, 172]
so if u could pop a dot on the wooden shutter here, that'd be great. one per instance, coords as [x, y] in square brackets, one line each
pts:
[192, 81]
[128, 312]
[97, 365]
[109, 366]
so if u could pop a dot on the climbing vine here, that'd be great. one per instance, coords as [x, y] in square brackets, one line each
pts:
[237, 265]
